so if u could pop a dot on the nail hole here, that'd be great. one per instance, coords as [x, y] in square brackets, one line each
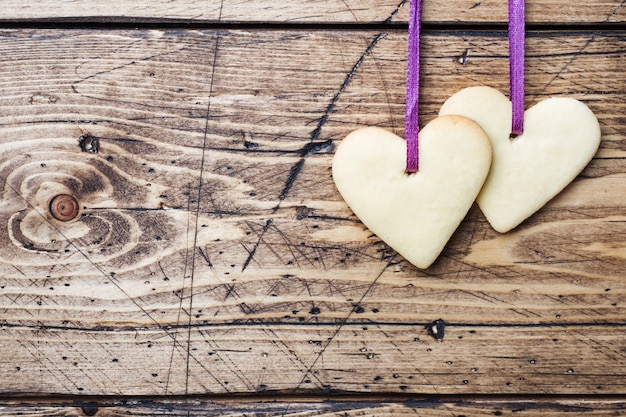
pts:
[464, 57]
[89, 143]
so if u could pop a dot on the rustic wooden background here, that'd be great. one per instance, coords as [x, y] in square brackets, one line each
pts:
[213, 255]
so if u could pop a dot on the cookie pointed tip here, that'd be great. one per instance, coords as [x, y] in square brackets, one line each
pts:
[503, 227]
[423, 263]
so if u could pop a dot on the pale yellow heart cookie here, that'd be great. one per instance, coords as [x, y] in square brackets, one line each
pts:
[416, 213]
[561, 135]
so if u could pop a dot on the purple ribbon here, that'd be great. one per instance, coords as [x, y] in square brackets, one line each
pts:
[411, 130]
[516, 64]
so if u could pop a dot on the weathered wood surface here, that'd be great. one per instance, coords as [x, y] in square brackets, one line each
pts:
[213, 254]
[302, 11]
[268, 358]
[345, 407]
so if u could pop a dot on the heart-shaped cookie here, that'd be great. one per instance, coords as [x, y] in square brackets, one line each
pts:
[416, 213]
[561, 136]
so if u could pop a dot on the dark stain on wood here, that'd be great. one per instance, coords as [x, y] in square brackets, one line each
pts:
[437, 329]
[89, 408]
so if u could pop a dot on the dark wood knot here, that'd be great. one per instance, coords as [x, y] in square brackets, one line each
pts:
[64, 207]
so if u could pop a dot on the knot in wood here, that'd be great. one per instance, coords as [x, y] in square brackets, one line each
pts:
[64, 207]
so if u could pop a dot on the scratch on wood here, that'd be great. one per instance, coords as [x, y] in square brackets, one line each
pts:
[395, 12]
[567, 64]
[180, 294]
[322, 121]
[206, 258]
[198, 203]
[343, 323]
[230, 289]
[227, 360]
[614, 12]
[122, 66]
[350, 10]
[312, 147]
[268, 223]
[293, 174]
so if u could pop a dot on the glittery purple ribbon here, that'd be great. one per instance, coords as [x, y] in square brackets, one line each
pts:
[411, 130]
[516, 64]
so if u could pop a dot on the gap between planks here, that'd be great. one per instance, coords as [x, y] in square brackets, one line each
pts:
[472, 405]
[177, 24]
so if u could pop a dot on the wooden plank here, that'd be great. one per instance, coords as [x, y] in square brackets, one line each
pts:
[362, 11]
[270, 358]
[433, 406]
[211, 233]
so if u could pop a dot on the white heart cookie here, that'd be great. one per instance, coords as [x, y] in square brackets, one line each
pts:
[416, 213]
[561, 136]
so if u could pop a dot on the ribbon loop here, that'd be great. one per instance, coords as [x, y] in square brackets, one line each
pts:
[411, 130]
[517, 31]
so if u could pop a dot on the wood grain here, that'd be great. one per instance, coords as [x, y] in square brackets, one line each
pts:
[214, 255]
[345, 407]
[294, 12]
[271, 358]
